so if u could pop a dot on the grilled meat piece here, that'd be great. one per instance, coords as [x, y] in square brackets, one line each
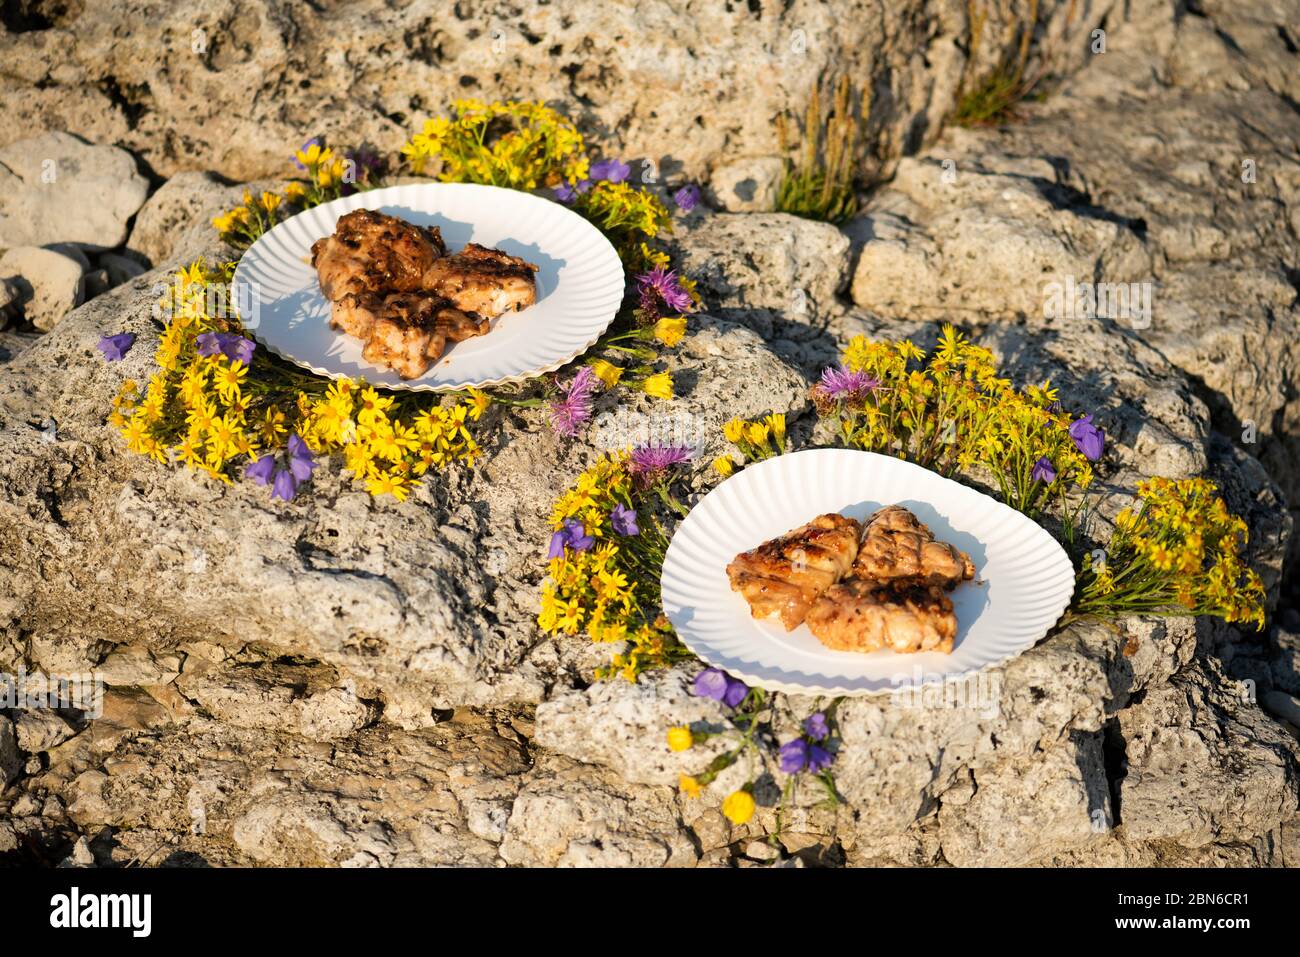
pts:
[355, 313]
[861, 615]
[373, 252]
[785, 575]
[412, 329]
[896, 547]
[393, 286]
[343, 270]
[482, 280]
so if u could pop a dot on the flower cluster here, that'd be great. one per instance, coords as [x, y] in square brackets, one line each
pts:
[1178, 553]
[749, 712]
[651, 465]
[626, 214]
[327, 172]
[243, 225]
[604, 559]
[389, 442]
[665, 300]
[529, 145]
[607, 170]
[520, 145]
[950, 411]
[326, 175]
[738, 806]
[662, 292]
[523, 145]
[806, 752]
[200, 408]
[755, 440]
[210, 404]
[572, 410]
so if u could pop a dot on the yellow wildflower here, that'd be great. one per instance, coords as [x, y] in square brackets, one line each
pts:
[606, 372]
[241, 443]
[359, 460]
[659, 386]
[221, 436]
[373, 407]
[200, 416]
[385, 483]
[776, 422]
[479, 401]
[312, 155]
[272, 427]
[1162, 558]
[228, 222]
[670, 331]
[680, 739]
[229, 378]
[237, 409]
[151, 447]
[738, 807]
[192, 275]
[134, 431]
[189, 453]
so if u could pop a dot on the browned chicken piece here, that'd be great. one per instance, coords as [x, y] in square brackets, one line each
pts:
[342, 270]
[482, 280]
[896, 547]
[356, 312]
[413, 328]
[393, 286]
[784, 576]
[373, 252]
[861, 615]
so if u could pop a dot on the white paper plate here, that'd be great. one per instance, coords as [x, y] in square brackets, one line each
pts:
[1023, 578]
[579, 285]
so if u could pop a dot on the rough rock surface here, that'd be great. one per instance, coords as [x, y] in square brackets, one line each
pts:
[49, 282]
[355, 682]
[751, 265]
[13, 342]
[9, 296]
[747, 185]
[181, 202]
[57, 188]
[232, 87]
[11, 759]
[1184, 785]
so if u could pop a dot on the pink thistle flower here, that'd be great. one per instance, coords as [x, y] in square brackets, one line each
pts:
[648, 463]
[661, 286]
[842, 383]
[570, 413]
